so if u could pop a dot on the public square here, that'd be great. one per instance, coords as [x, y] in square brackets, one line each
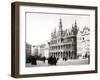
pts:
[61, 63]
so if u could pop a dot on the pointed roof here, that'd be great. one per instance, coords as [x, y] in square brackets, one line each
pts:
[55, 30]
[60, 24]
[75, 23]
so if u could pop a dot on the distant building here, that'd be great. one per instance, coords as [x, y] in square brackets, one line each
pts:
[42, 46]
[64, 42]
[44, 49]
[41, 50]
[35, 50]
[28, 50]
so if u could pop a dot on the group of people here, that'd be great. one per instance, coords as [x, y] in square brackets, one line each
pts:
[33, 60]
[65, 58]
[52, 60]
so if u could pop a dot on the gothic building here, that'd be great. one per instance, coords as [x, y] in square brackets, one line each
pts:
[63, 43]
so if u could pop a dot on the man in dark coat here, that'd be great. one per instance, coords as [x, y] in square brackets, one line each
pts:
[44, 58]
[54, 60]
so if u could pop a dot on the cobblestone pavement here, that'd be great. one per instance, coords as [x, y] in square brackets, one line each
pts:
[60, 62]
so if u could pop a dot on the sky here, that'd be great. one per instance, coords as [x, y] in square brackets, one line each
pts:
[40, 25]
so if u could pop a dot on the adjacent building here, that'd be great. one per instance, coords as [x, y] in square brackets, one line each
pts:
[28, 50]
[83, 42]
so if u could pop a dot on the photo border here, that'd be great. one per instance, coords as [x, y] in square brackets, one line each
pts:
[15, 32]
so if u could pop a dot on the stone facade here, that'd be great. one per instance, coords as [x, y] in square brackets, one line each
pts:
[28, 50]
[83, 42]
[44, 50]
[63, 43]
[40, 50]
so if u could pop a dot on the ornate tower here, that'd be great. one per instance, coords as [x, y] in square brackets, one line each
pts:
[75, 39]
[75, 26]
[60, 31]
[60, 27]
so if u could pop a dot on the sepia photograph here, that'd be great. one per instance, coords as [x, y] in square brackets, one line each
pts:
[57, 39]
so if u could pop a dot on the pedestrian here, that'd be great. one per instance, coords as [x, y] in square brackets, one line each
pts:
[55, 60]
[49, 60]
[44, 58]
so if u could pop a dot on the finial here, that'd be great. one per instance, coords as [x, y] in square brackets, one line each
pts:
[75, 22]
[60, 21]
[55, 30]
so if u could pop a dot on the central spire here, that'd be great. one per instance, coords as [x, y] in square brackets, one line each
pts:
[60, 28]
[60, 25]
